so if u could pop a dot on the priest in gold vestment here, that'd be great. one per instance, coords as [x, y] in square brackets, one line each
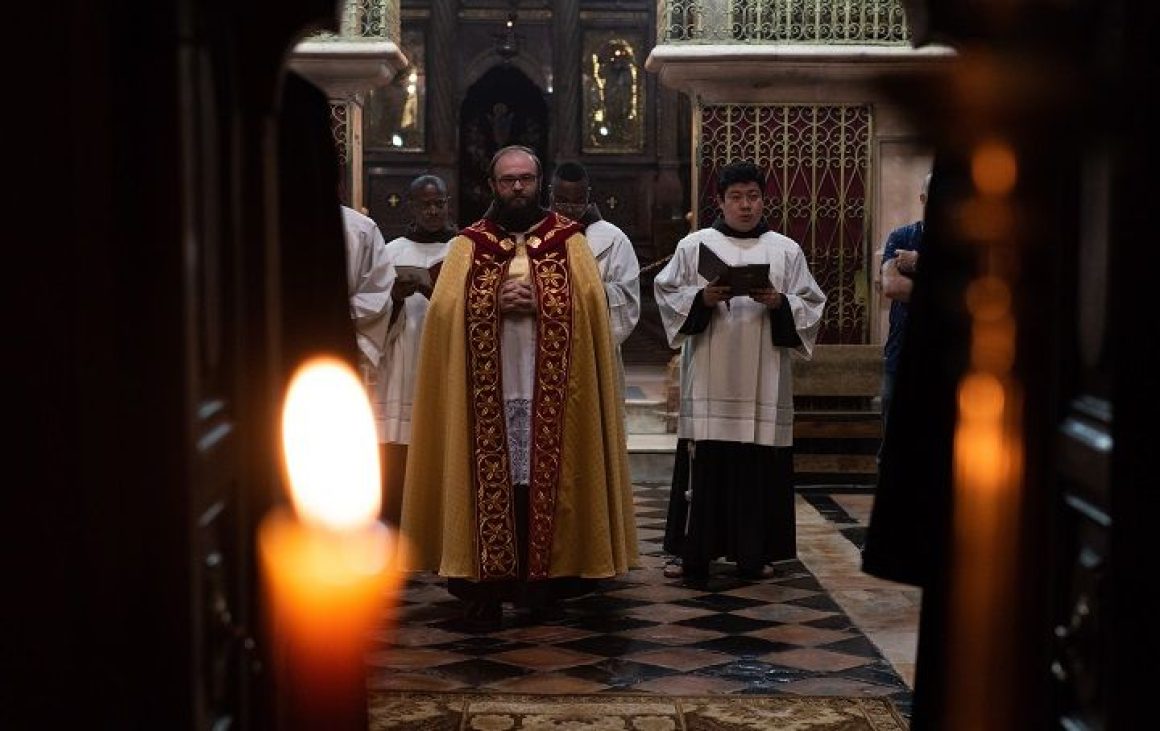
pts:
[517, 485]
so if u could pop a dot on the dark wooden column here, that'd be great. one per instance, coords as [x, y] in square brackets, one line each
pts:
[566, 77]
[441, 84]
[669, 193]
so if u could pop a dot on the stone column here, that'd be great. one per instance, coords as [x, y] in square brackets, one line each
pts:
[344, 70]
[566, 77]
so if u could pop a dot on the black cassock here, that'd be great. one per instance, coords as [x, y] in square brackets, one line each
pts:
[743, 504]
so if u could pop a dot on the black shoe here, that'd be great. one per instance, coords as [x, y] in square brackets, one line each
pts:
[481, 616]
[756, 573]
[680, 568]
[695, 571]
[548, 612]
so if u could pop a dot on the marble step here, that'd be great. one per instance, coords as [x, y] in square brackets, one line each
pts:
[650, 460]
[650, 457]
[646, 416]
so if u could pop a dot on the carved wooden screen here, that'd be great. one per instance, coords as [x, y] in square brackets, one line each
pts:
[817, 163]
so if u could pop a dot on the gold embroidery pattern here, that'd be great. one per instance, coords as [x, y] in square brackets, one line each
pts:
[480, 227]
[495, 526]
[553, 346]
[560, 224]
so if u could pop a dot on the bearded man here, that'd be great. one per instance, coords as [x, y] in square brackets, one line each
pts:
[517, 485]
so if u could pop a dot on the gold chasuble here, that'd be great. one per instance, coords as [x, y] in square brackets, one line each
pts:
[459, 512]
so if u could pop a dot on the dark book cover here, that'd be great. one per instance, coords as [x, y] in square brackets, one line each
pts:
[742, 279]
[420, 275]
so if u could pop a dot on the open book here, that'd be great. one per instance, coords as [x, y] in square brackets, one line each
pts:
[421, 276]
[742, 279]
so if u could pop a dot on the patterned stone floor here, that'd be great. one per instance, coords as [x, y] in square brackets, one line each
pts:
[830, 537]
[819, 627]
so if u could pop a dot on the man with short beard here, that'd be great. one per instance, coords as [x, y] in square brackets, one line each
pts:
[517, 485]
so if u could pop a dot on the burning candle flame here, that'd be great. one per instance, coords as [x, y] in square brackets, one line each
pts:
[331, 451]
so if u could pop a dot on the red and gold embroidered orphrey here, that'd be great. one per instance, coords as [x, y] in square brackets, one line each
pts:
[494, 495]
[494, 501]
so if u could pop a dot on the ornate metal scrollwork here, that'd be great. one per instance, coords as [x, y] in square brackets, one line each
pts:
[817, 162]
[783, 21]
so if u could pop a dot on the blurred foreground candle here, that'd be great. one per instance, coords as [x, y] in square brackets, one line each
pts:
[988, 489]
[330, 567]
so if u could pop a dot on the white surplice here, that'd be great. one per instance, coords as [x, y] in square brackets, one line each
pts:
[368, 284]
[394, 387]
[620, 272]
[735, 384]
[518, 350]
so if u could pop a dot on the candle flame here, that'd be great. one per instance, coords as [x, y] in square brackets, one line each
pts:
[330, 446]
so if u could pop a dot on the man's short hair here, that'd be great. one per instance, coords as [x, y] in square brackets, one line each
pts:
[739, 172]
[513, 148]
[571, 172]
[423, 181]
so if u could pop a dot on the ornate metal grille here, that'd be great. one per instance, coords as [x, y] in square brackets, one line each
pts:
[877, 22]
[340, 130]
[817, 161]
[373, 19]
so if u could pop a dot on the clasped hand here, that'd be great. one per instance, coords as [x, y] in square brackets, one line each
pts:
[715, 293]
[517, 296]
[767, 296]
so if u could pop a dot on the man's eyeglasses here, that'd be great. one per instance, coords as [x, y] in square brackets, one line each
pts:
[507, 181]
[435, 203]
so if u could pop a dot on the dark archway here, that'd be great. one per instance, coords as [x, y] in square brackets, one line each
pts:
[503, 108]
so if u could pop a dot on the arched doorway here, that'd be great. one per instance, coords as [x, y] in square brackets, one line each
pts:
[504, 107]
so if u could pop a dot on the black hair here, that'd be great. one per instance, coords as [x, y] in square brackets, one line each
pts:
[742, 171]
[571, 172]
[423, 181]
[513, 148]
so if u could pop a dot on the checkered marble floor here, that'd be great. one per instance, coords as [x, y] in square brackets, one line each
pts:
[642, 632]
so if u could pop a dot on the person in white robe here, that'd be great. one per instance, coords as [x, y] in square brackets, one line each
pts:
[368, 286]
[732, 493]
[615, 256]
[407, 266]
